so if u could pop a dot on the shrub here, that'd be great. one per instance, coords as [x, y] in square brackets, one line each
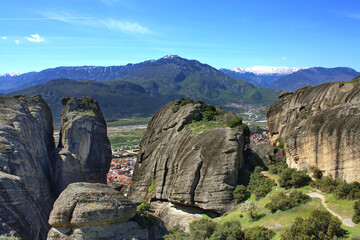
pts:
[202, 228]
[316, 172]
[342, 190]
[326, 184]
[278, 201]
[176, 233]
[182, 102]
[259, 184]
[234, 122]
[290, 177]
[259, 233]
[252, 209]
[319, 225]
[241, 194]
[297, 198]
[278, 167]
[144, 215]
[356, 217]
[228, 230]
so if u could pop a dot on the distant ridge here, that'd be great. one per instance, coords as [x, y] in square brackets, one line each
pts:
[286, 78]
[141, 89]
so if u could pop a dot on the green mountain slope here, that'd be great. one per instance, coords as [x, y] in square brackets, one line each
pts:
[147, 86]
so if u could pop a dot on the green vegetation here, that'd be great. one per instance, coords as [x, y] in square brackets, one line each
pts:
[304, 115]
[333, 104]
[259, 233]
[241, 194]
[283, 202]
[259, 184]
[356, 217]
[152, 186]
[129, 137]
[201, 228]
[144, 215]
[176, 233]
[227, 230]
[316, 172]
[129, 122]
[290, 177]
[319, 225]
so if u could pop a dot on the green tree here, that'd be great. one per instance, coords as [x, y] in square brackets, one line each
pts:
[201, 229]
[356, 217]
[230, 230]
[319, 225]
[241, 194]
[259, 233]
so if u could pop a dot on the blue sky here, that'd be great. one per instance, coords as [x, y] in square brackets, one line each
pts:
[39, 34]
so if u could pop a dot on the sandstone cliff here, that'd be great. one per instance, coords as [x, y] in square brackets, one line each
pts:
[180, 165]
[26, 145]
[84, 151]
[320, 126]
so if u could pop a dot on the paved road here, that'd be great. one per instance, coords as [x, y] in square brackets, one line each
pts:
[345, 221]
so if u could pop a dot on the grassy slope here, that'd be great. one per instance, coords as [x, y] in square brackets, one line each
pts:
[285, 219]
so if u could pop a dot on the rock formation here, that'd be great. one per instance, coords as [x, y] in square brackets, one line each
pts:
[84, 151]
[320, 126]
[32, 172]
[95, 211]
[26, 145]
[180, 165]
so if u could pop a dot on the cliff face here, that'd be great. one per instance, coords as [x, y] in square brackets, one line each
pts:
[26, 145]
[187, 167]
[84, 151]
[320, 127]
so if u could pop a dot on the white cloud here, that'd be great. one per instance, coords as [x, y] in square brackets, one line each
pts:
[35, 38]
[110, 23]
[17, 42]
[4, 38]
[283, 58]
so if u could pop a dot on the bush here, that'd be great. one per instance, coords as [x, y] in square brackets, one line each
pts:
[241, 194]
[278, 167]
[182, 102]
[228, 230]
[297, 198]
[234, 122]
[202, 228]
[252, 209]
[290, 177]
[319, 225]
[281, 201]
[176, 233]
[259, 184]
[356, 217]
[259, 233]
[326, 184]
[316, 172]
[144, 215]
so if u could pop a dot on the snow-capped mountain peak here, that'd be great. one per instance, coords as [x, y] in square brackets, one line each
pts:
[267, 70]
[10, 74]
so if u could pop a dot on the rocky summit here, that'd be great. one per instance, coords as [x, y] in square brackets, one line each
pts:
[320, 127]
[198, 168]
[84, 151]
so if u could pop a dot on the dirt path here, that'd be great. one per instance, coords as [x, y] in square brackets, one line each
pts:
[346, 221]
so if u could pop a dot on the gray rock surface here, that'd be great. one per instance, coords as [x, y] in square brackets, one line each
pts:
[84, 151]
[26, 145]
[94, 211]
[20, 215]
[183, 166]
[320, 126]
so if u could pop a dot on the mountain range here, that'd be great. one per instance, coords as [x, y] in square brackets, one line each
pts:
[141, 89]
[286, 78]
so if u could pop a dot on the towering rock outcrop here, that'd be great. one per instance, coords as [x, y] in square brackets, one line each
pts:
[84, 151]
[180, 165]
[26, 145]
[320, 126]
